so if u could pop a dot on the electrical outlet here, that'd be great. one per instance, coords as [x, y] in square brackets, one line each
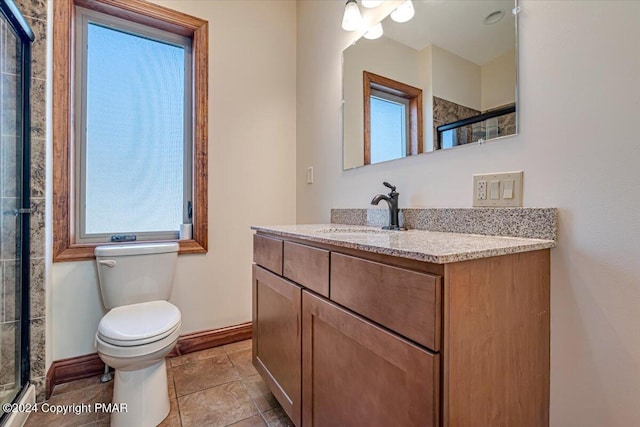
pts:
[481, 190]
[498, 189]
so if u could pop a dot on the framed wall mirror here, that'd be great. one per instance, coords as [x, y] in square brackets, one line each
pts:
[445, 78]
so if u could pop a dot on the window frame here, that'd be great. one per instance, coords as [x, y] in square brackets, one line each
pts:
[66, 246]
[375, 82]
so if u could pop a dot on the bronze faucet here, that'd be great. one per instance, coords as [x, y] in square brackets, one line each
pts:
[392, 201]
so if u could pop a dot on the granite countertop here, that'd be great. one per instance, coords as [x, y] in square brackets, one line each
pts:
[429, 246]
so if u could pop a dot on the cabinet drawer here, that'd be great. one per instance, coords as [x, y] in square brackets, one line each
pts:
[358, 374]
[404, 301]
[307, 266]
[267, 252]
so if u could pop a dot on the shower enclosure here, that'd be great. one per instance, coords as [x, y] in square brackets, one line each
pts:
[15, 73]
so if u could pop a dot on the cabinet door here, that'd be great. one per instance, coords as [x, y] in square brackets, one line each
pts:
[356, 373]
[276, 337]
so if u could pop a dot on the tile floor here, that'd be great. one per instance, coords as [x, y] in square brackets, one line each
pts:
[214, 387]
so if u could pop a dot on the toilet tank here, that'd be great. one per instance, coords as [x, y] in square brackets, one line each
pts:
[134, 273]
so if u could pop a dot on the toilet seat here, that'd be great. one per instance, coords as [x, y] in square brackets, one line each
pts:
[139, 324]
[133, 356]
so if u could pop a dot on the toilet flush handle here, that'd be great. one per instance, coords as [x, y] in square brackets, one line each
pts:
[108, 262]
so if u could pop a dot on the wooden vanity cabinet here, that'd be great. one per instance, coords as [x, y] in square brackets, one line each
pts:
[277, 337]
[386, 341]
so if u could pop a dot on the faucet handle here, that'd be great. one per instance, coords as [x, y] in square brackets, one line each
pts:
[392, 187]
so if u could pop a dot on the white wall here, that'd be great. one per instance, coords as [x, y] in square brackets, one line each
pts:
[426, 84]
[252, 122]
[498, 81]
[455, 78]
[578, 145]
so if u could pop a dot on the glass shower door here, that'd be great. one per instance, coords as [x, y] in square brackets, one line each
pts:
[14, 200]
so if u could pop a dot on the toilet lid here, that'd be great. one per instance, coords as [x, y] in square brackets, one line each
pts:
[140, 323]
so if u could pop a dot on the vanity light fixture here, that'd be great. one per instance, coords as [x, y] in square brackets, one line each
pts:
[493, 17]
[369, 4]
[352, 19]
[404, 12]
[375, 32]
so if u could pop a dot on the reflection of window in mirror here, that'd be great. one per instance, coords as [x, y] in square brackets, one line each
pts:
[389, 126]
[392, 119]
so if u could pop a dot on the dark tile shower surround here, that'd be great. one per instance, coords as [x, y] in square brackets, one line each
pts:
[35, 12]
[445, 112]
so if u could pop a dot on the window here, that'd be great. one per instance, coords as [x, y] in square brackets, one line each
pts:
[133, 122]
[392, 119]
[389, 126]
[134, 164]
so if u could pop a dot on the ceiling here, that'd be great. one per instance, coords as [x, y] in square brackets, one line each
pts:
[457, 26]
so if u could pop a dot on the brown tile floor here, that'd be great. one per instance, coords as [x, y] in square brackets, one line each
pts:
[215, 387]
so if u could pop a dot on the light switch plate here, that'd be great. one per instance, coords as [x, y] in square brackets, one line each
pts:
[500, 187]
[494, 189]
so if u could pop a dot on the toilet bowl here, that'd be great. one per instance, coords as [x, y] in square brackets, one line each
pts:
[134, 340]
[136, 335]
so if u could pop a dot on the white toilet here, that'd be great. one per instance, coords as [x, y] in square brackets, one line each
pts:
[140, 329]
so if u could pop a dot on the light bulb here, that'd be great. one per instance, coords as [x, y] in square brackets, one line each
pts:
[371, 3]
[375, 32]
[404, 12]
[352, 20]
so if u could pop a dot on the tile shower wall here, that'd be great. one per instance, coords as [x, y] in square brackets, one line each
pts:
[9, 318]
[35, 12]
[506, 123]
[447, 112]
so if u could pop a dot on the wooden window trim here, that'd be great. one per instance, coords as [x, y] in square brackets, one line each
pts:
[413, 94]
[64, 246]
